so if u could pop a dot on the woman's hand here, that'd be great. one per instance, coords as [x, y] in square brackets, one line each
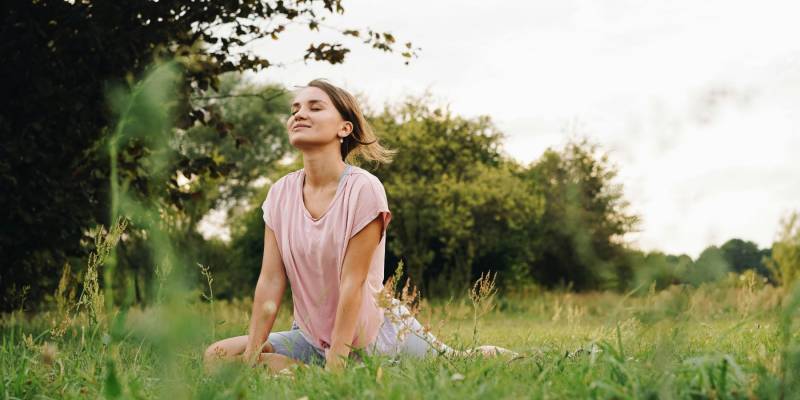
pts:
[251, 353]
[249, 357]
[334, 362]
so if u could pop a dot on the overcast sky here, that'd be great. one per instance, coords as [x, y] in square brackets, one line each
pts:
[696, 101]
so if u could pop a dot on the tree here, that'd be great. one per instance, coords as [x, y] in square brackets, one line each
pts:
[743, 255]
[254, 118]
[579, 240]
[656, 268]
[459, 207]
[785, 260]
[60, 60]
[256, 141]
[710, 266]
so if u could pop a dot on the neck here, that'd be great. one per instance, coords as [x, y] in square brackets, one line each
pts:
[322, 169]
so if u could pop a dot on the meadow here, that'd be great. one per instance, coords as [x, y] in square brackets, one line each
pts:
[728, 340]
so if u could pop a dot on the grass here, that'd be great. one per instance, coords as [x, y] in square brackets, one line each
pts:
[716, 342]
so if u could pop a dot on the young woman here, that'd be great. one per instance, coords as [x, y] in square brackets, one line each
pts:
[325, 235]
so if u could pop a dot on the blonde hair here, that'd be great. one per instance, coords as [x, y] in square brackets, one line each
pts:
[362, 141]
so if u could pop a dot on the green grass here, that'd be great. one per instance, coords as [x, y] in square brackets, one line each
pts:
[714, 342]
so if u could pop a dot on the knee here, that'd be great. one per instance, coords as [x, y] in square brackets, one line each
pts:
[214, 352]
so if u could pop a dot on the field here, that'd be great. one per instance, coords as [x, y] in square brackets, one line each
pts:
[733, 339]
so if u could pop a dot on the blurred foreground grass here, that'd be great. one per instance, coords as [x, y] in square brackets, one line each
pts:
[728, 340]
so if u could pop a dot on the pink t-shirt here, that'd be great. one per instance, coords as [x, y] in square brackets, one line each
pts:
[313, 250]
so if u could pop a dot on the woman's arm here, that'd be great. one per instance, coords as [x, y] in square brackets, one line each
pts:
[357, 259]
[267, 298]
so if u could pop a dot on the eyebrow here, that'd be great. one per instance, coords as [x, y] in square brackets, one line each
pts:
[313, 101]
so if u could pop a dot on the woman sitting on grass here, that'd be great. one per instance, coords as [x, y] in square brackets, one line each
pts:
[325, 235]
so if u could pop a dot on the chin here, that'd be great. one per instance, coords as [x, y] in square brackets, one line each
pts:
[302, 141]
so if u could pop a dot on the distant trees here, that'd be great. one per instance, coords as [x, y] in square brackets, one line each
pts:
[743, 255]
[713, 264]
[658, 269]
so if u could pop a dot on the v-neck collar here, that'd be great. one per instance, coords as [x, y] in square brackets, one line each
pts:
[335, 196]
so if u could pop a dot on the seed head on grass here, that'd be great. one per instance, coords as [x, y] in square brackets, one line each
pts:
[92, 299]
[205, 271]
[28, 341]
[482, 296]
[64, 297]
[483, 292]
[48, 353]
[392, 297]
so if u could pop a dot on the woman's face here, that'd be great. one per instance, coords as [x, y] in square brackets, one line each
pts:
[314, 120]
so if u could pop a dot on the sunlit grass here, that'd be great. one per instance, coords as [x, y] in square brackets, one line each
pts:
[682, 343]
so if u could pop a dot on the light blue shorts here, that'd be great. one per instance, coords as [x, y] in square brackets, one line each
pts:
[399, 334]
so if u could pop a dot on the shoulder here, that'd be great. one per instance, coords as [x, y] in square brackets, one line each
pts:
[277, 194]
[362, 177]
[366, 188]
[284, 181]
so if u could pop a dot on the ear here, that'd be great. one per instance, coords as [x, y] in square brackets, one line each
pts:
[347, 128]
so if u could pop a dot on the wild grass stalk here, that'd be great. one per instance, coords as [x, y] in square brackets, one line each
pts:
[482, 296]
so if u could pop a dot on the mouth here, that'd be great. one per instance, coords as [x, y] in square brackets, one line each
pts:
[296, 127]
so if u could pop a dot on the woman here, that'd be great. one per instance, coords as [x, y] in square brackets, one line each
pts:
[325, 235]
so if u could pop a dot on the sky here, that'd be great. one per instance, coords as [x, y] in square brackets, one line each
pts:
[696, 102]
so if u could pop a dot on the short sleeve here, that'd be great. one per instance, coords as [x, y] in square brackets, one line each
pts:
[368, 201]
[266, 208]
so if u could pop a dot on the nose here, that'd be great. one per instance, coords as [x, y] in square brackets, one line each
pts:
[294, 119]
[300, 114]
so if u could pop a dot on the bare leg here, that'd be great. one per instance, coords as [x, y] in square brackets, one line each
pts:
[277, 362]
[232, 349]
[226, 349]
